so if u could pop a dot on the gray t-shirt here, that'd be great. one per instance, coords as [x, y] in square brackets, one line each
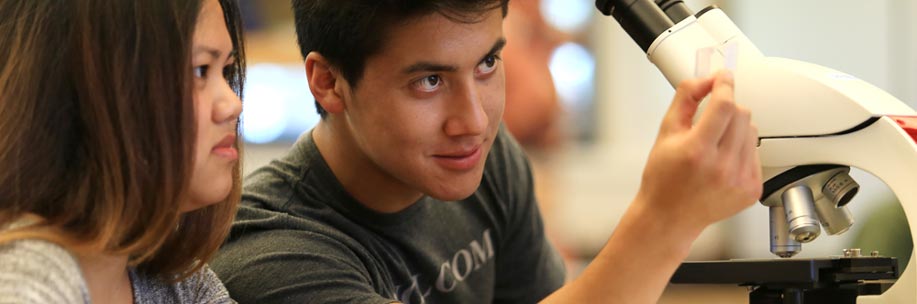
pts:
[37, 271]
[299, 237]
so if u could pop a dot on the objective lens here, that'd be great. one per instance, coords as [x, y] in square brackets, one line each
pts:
[781, 243]
[800, 214]
[835, 220]
[840, 189]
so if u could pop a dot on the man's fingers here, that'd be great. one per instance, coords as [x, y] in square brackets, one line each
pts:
[751, 163]
[755, 159]
[687, 97]
[719, 110]
[735, 135]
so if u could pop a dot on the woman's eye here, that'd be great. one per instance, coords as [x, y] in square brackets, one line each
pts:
[227, 72]
[429, 83]
[488, 65]
[200, 71]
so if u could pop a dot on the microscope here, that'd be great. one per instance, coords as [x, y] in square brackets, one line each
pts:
[814, 124]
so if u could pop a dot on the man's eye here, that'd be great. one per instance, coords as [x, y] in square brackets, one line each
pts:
[429, 83]
[488, 65]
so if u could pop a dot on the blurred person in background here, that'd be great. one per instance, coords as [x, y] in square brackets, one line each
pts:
[533, 111]
[119, 148]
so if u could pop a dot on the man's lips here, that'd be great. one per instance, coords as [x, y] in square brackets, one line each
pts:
[225, 148]
[459, 160]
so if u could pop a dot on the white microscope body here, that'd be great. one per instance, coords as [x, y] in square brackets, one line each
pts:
[806, 115]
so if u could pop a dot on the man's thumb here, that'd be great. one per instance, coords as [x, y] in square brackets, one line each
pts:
[684, 105]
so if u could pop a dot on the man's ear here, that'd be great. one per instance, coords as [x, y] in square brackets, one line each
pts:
[323, 82]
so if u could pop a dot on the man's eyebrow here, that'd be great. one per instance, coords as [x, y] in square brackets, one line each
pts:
[424, 66]
[498, 46]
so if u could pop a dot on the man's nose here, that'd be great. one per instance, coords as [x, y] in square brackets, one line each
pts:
[466, 112]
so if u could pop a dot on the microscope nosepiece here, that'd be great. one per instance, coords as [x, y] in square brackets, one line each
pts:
[796, 216]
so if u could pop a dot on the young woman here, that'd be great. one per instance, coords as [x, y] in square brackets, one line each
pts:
[119, 171]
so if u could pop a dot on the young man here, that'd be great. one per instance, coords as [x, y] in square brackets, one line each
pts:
[409, 190]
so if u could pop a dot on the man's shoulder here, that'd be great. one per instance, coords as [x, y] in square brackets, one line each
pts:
[286, 221]
[293, 178]
[507, 173]
[506, 155]
[273, 182]
[263, 262]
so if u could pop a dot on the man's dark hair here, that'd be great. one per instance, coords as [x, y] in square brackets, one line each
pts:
[350, 31]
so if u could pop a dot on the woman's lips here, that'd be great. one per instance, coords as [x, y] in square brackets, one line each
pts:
[459, 161]
[225, 148]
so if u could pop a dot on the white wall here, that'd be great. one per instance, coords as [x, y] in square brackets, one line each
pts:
[903, 51]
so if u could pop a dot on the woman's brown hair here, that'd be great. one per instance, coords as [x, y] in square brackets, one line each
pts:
[97, 129]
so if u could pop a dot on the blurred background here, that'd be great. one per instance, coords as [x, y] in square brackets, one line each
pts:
[586, 104]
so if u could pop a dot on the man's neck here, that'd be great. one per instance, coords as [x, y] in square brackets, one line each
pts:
[360, 176]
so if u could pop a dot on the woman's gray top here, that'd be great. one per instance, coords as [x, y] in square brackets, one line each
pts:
[37, 271]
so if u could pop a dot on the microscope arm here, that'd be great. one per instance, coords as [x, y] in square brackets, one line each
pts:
[887, 149]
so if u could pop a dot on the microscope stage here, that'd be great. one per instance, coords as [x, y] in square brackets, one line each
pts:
[815, 272]
[836, 280]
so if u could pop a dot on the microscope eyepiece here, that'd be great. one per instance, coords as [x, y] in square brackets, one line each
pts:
[675, 9]
[643, 20]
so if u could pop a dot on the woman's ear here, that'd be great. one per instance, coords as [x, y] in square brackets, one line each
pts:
[323, 82]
